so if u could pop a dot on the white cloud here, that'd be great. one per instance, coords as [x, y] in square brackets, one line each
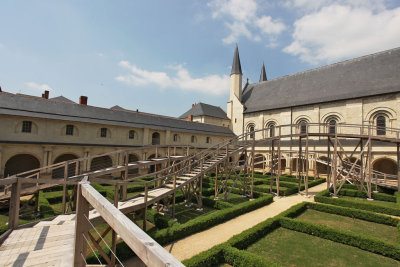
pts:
[39, 87]
[241, 18]
[210, 84]
[313, 5]
[336, 32]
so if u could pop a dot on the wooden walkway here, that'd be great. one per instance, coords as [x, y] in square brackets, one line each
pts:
[48, 243]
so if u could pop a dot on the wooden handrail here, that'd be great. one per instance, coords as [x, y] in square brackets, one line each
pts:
[148, 250]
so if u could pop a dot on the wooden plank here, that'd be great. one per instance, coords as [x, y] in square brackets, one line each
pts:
[149, 251]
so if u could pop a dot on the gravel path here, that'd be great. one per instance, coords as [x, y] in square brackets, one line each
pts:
[194, 244]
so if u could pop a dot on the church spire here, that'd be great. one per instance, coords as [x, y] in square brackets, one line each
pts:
[236, 67]
[263, 75]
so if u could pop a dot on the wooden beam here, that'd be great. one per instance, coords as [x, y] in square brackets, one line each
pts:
[81, 226]
[14, 205]
[149, 251]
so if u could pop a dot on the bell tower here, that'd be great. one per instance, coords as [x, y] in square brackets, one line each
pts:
[235, 106]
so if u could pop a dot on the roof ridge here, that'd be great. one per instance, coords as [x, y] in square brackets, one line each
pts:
[333, 64]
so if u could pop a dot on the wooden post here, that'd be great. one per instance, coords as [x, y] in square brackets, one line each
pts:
[81, 228]
[173, 198]
[306, 165]
[334, 169]
[216, 180]
[125, 177]
[398, 167]
[146, 192]
[299, 158]
[252, 166]
[328, 178]
[65, 189]
[14, 205]
[369, 166]
[279, 164]
[272, 168]
[114, 234]
[200, 202]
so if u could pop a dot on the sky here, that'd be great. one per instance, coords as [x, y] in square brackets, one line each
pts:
[162, 56]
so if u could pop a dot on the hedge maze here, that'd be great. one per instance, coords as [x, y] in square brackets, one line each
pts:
[312, 234]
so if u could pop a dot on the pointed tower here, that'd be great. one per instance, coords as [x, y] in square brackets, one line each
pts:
[263, 74]
[235, 106]
[236, 76]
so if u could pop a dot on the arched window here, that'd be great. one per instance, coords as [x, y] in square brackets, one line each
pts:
[332, 126]
[131, 134]
[176, 138]
[250, 129]
[271, 129]
[303, 126]
[208, 140]
[381, 125]
[155, 138]
[193, 139]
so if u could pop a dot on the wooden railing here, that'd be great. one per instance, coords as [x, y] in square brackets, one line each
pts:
[148, 250]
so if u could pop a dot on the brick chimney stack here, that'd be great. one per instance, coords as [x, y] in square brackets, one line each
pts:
[190, 118]
[45, 95]
[83, 100]
[193, 105]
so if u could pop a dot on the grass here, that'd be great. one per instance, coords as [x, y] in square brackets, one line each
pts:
[380, 231]
[291, 248]
[375, 202]
[184, 214]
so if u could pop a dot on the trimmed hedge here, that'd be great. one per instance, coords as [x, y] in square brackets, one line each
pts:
[355, 213]
[345, 237]
[241, 258]
[323, 197]
[209, 258]
[363, 194]
[178, 231]
[249, 236]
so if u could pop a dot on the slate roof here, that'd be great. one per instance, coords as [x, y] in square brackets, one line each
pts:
[236, 67]
[369, 75]
[202, 109]
[11, 104]
[62, 99]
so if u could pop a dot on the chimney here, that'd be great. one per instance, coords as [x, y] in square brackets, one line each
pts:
[45, 95]
[193, 105]
[190, 118]
[83, 100]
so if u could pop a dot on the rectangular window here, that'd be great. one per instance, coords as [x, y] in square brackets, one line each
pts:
[69, 130]
[26, 126]
[103, 132]
[131, 134]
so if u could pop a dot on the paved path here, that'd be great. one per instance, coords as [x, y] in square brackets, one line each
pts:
[194, 244]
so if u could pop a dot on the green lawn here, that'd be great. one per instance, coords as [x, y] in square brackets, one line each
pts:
[291, 248]
[374, 202]
[380, 231]
[184, 214]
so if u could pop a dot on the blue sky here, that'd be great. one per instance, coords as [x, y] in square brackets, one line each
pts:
[162, 56]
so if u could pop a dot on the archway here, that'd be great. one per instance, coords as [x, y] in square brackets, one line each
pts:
[155, 138]
[321, 167]
[152, 167]
[59, 172]
[242, 160]
[133, 158]
[302, 164]
[99, 163]
[259, 161]
[21, 163]
[385, 165]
